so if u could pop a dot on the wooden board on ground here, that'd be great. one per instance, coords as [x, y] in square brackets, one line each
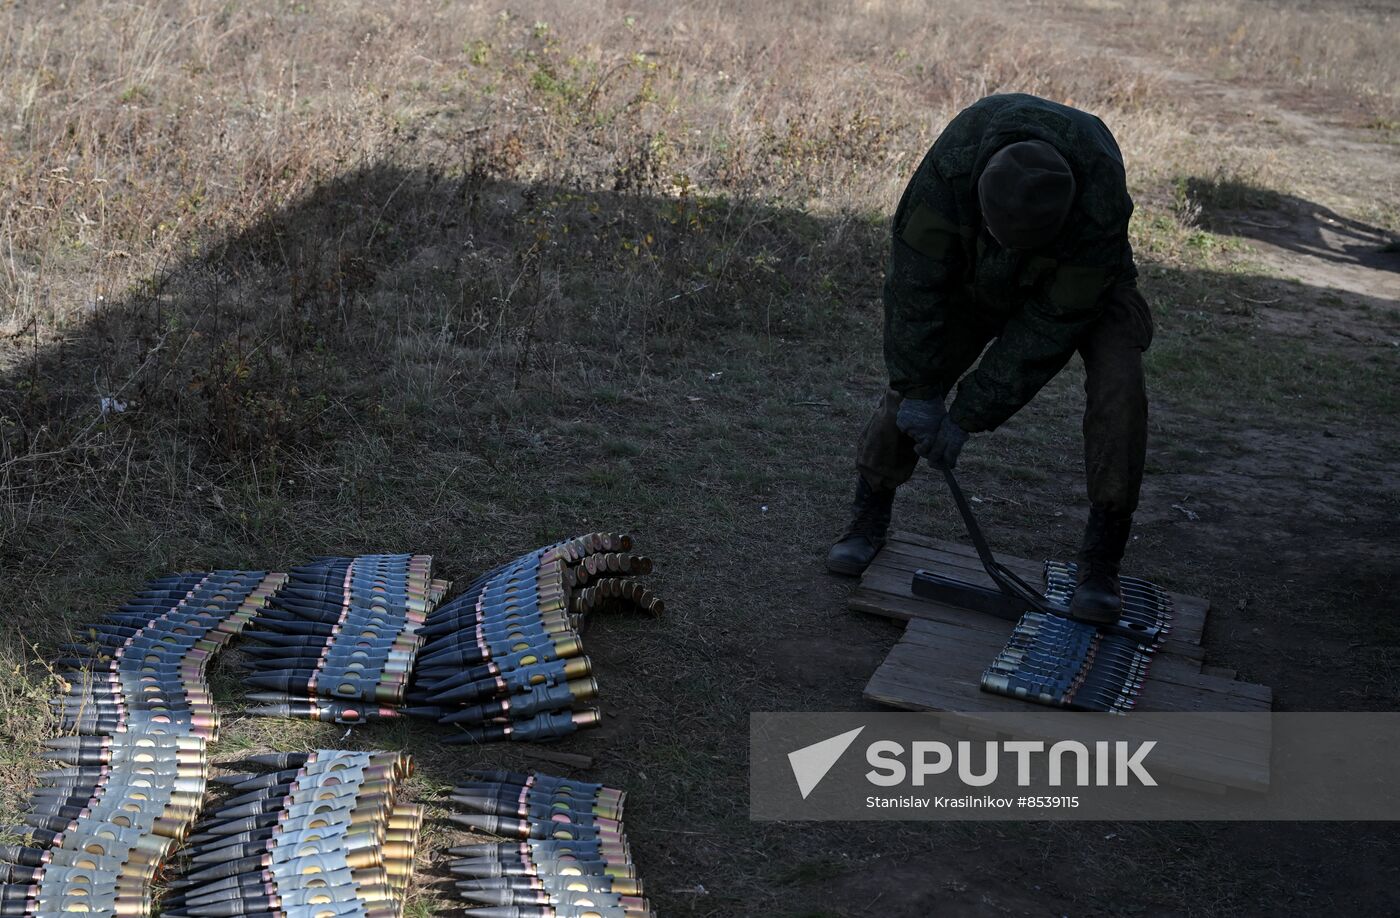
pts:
[884, 590]
[937, 667]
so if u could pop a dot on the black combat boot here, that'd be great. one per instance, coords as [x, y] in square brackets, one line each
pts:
[1098, 599]
[870, 520]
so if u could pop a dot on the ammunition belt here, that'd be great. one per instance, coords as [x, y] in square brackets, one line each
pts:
[1146, 606]
[138, 706]
[356, 640]
[504, 659]
[1060, 662]
[343, 629]
[567, 855]
[321, 835]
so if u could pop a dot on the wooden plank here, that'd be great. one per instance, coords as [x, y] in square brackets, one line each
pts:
[1239, 766]
[887, 593]
[1188, 609]
[937, 666]
[1195, 686]
[965, 728]
[885, 589]
[960, 655]
[908, 551]
[1228, 742]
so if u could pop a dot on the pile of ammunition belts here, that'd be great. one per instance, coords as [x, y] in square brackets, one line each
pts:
[139, 710]
[353, 640]
[504, 659]
[567, 854]
[1059, 662]
[321, 836]
[339, 640]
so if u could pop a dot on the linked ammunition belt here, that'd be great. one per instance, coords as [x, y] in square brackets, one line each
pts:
[1059, 662]
[339, 641]
[135, 698]
[351, 640]
[566, 856]
[322, 835]
[504, 659]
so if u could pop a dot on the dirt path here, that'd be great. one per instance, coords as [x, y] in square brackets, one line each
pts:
[1334, 167]
[1305, 238]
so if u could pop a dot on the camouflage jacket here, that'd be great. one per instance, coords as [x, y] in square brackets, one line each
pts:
[950, 288]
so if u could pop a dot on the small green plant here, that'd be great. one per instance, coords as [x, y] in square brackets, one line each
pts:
[135, 94]
[479, 52]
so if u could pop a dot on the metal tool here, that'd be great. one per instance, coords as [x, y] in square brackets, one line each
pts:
[1012, 596]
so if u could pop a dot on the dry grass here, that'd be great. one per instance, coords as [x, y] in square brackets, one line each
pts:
[136, 131]
[144, 138]
[439, 277]
[1344, 50]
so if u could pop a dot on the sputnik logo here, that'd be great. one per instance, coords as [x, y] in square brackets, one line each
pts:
[811, 763]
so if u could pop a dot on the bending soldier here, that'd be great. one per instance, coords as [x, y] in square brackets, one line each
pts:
[1013, 231]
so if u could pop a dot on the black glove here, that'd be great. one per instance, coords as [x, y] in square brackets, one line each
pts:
[947, 444]
[919, 419]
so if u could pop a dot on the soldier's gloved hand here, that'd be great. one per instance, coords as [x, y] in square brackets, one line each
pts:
[947, 444]
[919, 419]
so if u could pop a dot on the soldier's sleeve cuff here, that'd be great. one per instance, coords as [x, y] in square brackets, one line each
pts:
[931, 393]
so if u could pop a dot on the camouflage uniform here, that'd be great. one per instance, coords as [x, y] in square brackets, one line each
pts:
[950, 289]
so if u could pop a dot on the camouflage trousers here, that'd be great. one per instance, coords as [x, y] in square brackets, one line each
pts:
[1115, 411]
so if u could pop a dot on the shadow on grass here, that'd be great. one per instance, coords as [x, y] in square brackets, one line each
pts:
[1237, 208]
[409, 295]
[412, 360]
[389, 287]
